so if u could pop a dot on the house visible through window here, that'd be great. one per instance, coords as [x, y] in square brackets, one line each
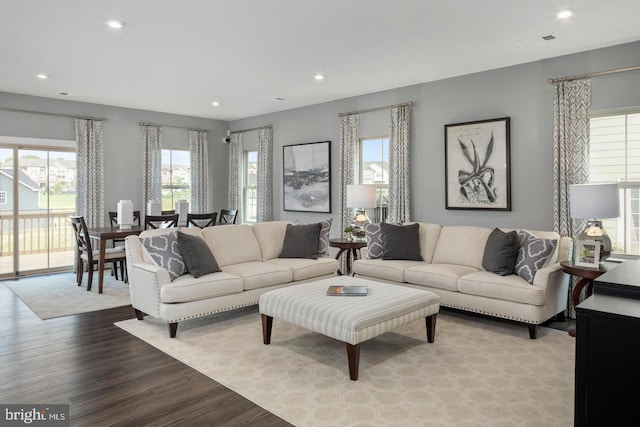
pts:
[176, 177]
[615, 157]
[374, 169]
[250, 190]
[3, 197]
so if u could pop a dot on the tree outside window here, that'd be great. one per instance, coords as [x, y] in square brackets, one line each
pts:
[176, 177]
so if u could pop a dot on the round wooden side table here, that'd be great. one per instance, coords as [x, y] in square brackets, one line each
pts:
[587, 275]
[352, 246]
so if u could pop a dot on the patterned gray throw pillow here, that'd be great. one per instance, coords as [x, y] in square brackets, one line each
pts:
[323, 241]
[533, 254]
[165, 252]
[373, 235]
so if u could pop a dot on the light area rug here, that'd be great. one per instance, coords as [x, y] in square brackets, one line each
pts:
[478, 372]
[58, 295]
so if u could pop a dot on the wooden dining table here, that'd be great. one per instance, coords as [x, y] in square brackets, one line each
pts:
[104, 234]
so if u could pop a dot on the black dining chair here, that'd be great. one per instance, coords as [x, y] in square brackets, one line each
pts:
[119, 243]
[168, 212]
[228, 216]
[86, 255]
[202, 220]
[160, 221]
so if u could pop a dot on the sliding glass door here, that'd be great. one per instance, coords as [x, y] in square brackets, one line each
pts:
[37, 195]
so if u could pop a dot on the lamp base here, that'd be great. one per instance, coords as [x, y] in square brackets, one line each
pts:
[595, 231]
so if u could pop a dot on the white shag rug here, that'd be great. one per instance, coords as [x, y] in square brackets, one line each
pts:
[478, 372]
[57, 295]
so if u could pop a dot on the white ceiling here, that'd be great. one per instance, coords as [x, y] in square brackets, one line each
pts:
[179, 56]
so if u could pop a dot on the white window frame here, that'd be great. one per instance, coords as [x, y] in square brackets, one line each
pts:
[378, 214]
[628, 225]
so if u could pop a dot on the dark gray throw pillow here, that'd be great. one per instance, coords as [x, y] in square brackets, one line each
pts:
[500, 252]
[301, 241]
[401, 241]
[197, 255]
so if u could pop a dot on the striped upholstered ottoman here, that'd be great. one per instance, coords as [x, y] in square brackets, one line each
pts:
[351, 319]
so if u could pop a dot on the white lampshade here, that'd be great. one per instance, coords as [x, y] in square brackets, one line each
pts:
[361, 196]
[594, 201]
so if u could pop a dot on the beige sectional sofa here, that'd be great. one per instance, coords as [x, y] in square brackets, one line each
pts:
[452, 268]
[248, 257]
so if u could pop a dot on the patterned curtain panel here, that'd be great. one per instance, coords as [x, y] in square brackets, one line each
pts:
[199, 149]
[349, 164]
[399, 173]
[90, 172]
[234, 199]
[264, 184]
[151, 166]
[570, 154]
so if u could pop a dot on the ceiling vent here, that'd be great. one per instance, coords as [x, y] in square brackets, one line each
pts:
[537, 40]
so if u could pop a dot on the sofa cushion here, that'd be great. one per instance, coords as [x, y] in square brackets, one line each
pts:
[461, 245]
[308, 268]
[232, 244]
[165, 252]
[301, 241]
[401, 242]
[533, 254]
[270, 236]
[429, 234]
[187, 288]
[197, 255]
[509, 288]
[259, 274]
[441, 276]
[500, 252]
[383, 269]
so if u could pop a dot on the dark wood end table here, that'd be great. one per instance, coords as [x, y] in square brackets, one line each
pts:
[352, 246]
[587, 276]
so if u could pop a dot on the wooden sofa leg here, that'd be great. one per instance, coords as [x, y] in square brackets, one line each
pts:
[139, 315]
[173, 329]
[533, 331]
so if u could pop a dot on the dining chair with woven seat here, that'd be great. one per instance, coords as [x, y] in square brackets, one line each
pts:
[86, 256]
[202, 220]
[160, 221]
[228, 216]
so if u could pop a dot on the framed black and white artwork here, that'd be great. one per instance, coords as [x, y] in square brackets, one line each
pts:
[477, 165]
[307, 177]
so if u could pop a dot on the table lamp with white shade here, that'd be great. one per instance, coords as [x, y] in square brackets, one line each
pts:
[595, 202]
[360, 197]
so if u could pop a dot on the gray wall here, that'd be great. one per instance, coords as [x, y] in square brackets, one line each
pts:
[122, 140]
[520, 92]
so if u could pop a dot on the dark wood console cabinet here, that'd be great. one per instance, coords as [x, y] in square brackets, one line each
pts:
[608, 351]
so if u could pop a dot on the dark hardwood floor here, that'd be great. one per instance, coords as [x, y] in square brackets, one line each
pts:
[107, 376]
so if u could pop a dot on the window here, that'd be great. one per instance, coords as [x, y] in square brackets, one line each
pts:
[3, 197]
[374, 169]
[250, 191]
[615, 157]
[176, 177]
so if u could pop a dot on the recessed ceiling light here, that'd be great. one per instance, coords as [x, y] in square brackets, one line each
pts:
[215, 103]
[564, 14]
[319, 77]
[115, 24]
[42, 76]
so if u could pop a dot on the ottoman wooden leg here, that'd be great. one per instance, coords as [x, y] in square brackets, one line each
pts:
[353, 354]
[431, 327]
[267, 323]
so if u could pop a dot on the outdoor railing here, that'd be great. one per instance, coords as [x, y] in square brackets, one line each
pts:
[39, 232]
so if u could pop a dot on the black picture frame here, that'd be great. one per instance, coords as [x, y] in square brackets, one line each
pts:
[478, 165]
[307, 177]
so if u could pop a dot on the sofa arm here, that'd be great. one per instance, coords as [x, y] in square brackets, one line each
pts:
[145, 281]
[549, 275]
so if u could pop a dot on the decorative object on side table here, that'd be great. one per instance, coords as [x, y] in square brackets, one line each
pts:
[587, 253]
[347, 233]
[594, 202]
[125, 214]
[307, 177]
[477, 165]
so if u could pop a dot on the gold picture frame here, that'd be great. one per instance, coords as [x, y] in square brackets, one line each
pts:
[587, 253]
